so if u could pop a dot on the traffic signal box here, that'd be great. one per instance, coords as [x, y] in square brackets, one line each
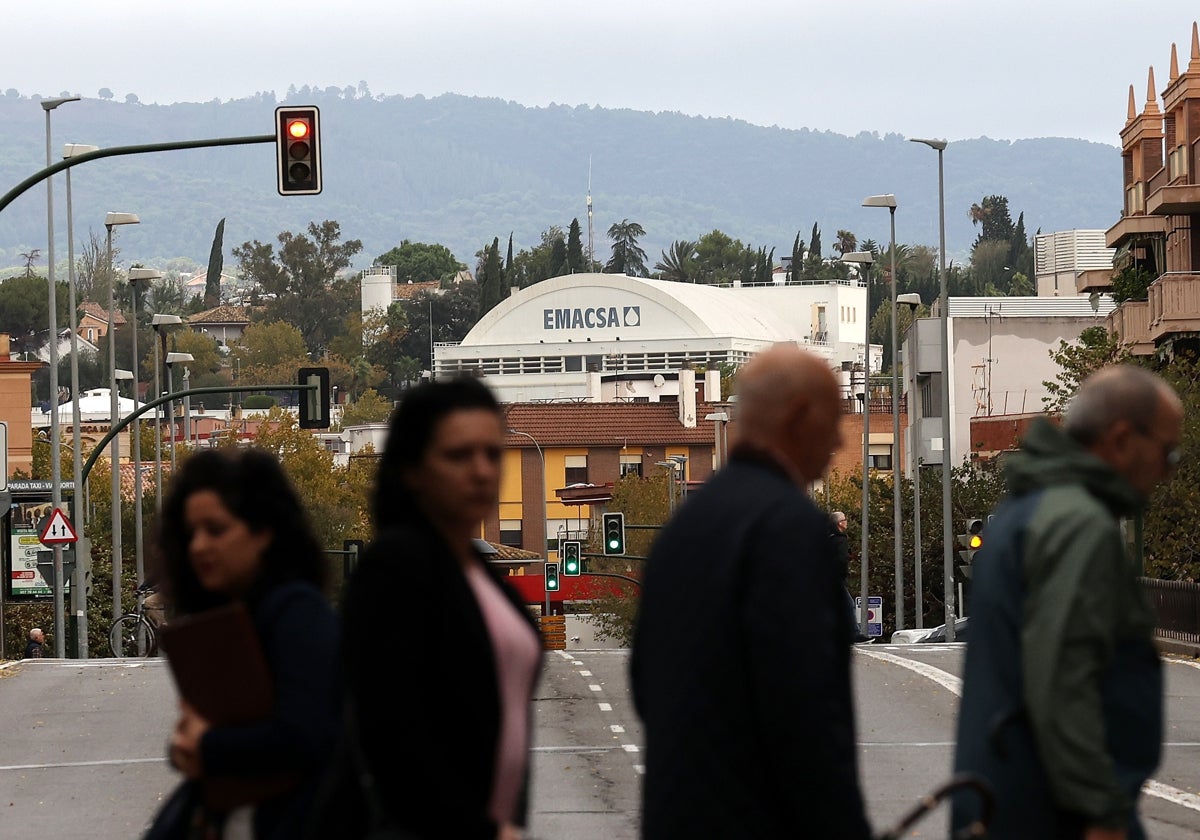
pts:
[572, 559]
[614, 533]
[298, 150]
[969, 543]
[552, 583]
[314, 402]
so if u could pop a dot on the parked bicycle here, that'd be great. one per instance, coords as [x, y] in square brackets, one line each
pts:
[135, 633]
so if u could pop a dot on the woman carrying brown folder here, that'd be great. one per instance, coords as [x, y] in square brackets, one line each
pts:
[233, 531]
[442, 656]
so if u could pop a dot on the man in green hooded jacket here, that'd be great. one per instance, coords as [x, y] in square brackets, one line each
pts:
[1062, 692]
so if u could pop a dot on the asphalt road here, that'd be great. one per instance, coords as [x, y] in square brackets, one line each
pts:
[82, 753]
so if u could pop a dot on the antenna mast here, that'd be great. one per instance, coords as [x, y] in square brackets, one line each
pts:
[591, 254]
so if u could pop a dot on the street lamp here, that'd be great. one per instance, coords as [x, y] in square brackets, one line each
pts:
[913, 300]
[160, 323]
[720, 419]
[172, 360]
[60, 641]
[889, 201]
[83, 546]
[545, 513]
[111, 220]
[137, 275]
[943, 312]
[865, 258]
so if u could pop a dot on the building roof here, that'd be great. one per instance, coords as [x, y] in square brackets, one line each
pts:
[1032, 306]
[405, 291]
[223, 314]
[90, 307]
[616, 424]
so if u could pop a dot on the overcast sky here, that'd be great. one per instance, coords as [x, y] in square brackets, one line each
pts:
[954, 69]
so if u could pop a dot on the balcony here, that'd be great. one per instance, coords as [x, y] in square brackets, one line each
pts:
[1131, 322]
[1133, 227]
[1174, 305]
[1172, 191]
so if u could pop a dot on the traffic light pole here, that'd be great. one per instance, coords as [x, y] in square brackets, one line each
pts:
[114, 151]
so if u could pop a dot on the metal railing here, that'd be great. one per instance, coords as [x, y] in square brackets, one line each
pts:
[1176, 608]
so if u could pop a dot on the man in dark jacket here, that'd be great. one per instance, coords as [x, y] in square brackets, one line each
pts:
[841, 550]
[741, 650]
[1062, 692]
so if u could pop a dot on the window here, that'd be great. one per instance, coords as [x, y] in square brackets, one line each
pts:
[881, 457]
[576, 472]
[631, 465]
[510, 532]
[574, 364]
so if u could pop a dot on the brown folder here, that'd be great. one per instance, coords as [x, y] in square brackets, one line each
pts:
[220, 669]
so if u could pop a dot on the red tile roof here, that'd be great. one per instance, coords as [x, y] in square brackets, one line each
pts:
[224, 314]
[405, 291]
[606, 424]
[89, 307]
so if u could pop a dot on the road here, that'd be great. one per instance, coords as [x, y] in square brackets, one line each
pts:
[82, 752]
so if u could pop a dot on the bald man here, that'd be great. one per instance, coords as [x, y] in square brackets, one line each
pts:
[1062, 693]
[741, 650]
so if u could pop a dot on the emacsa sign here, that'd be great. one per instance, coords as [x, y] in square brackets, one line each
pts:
[592, 317]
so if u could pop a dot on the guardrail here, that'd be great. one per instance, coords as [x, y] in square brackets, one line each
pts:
[1176, 608]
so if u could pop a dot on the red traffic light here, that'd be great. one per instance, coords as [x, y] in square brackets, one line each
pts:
[298, 150]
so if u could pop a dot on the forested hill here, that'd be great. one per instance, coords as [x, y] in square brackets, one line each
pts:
[461, 171]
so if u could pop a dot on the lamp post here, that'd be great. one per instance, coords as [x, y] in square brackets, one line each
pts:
[912, 300]
[545, 513]
[60, 642]
[111, 220]
[889, 201]
[172, 360]
[865, 258]
[160, 323]
[137, 275]
[943, 312]
[82, 547]
[720, 418]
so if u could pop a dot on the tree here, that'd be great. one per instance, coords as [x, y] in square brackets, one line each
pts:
[847, 242]
[1096, 348]
[627, 256]
[269, 354]
[216, 261]
[454, 310]
[575, 260]
[720, 259]
[991, 216]
[30, 257]
[24, 308]
[369, 408]
[489, 277]
[678, 262]
[304, 286]
[797, 262]
[418, 262]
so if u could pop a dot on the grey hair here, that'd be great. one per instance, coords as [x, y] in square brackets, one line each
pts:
[837, 516]
[1113, 394]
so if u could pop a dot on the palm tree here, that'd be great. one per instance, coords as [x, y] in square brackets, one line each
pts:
[846, 242]
[678, 262]
[627, 257]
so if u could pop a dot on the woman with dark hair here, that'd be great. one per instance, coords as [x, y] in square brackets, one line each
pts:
[232, 529]
[441, 656]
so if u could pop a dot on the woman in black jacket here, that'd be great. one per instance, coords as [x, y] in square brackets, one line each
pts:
[441, 656]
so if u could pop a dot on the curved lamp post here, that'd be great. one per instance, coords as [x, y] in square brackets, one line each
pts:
[545, 512]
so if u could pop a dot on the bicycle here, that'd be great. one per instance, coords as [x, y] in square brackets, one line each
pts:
[135, 633]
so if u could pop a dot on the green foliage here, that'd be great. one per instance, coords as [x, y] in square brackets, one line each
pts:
[1096, 348]
[418, 262]
[1171, 544]
[24, 306]
[678, 263]
[369, 408]
[627, 256]
[304, 286]
[1131, 283]
[258, 401]
[490, 278]
[216, 262]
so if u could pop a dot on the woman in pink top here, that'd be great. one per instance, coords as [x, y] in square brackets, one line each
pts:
[442, 656]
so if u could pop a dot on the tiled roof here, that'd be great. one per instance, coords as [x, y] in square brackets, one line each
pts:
[509, 553]
[90, 307]
[405, 291]
[224, 314]
[606, 424]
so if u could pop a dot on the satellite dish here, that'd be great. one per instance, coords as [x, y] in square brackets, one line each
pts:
[658, 380]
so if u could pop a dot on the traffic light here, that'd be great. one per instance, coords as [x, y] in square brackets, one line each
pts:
[969, 543]
[551, 577]
[572, 564]
[298, 150]
[614, 533]
[314, 402]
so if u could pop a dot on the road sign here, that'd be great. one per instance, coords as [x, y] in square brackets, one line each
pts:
[57, 529]
[874, 614]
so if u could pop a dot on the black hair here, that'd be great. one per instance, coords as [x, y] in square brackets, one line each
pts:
[410, 433]
[252, 484]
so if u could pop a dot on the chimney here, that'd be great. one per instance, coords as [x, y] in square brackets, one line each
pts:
[687, 398]
[712, 385]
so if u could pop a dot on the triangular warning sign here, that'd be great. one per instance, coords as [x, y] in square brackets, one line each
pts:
[58, 529]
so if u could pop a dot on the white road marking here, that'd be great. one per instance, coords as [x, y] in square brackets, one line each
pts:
[953, 684]
[605, 707]
[585, 673]
[594, 687]
[616, 727]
